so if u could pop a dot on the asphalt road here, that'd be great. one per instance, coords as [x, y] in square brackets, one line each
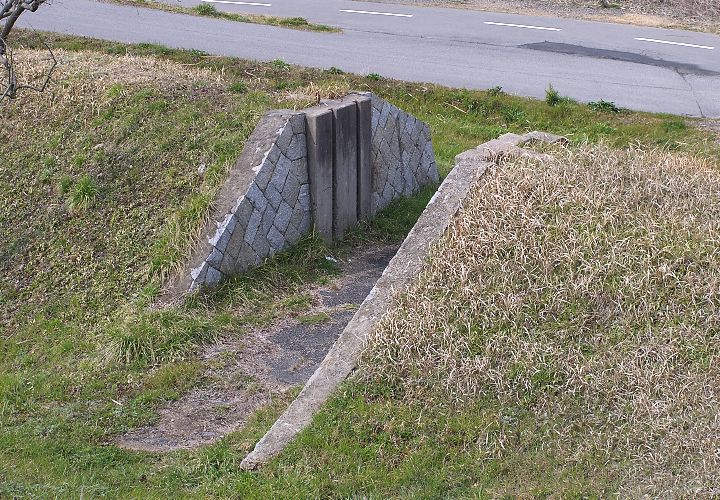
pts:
[639, 68]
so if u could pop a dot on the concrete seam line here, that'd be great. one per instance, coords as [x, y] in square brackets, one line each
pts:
[344, 355]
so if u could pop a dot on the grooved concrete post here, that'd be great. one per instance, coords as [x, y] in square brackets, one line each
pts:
[345, 167]
[319, 133]
[364, 175]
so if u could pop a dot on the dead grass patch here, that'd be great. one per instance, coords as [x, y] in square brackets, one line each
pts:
[699, 15]
[581, 296]
[103, 70]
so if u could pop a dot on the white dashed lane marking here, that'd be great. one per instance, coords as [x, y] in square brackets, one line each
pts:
[375, 13]
[523, 26]
[676, 43]
[251, 4]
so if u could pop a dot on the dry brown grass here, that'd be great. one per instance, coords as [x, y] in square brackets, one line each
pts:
[100, 71]
[313, 93]
[586, 292]
[689, 10]
[701, 15]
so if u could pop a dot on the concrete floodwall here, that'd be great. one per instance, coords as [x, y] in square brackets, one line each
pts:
[322, 169]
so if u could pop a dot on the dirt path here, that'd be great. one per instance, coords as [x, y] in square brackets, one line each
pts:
[248, 373]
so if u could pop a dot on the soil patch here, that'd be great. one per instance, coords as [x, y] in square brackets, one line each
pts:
[245, 374]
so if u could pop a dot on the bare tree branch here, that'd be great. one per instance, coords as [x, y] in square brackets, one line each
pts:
[10, 12]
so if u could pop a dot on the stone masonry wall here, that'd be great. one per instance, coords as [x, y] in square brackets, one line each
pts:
[402, 158]
[272, 215]
[265, 205]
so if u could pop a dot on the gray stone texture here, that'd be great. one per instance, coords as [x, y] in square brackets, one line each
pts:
[271, 209]
[402, 157]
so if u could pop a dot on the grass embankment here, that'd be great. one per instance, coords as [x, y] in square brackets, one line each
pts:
[568, 327]
[696, 15]
[206, 10]
[701, 11]
[100, 193]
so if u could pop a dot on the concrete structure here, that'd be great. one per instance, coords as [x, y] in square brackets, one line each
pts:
[342, 359]
[324, 168]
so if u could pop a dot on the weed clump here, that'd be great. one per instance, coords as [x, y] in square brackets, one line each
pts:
[238, 87]
[84, 193]
[207, 10]
[604, 106]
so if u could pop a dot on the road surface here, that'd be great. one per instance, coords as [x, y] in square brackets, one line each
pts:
[640, 68]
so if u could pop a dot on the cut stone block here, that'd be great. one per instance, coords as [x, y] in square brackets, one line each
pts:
[364, 176]
[319, 128]
[345, 168]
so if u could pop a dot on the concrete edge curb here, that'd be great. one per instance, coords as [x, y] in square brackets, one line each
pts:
[343, 357]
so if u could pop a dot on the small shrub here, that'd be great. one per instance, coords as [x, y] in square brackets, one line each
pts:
[335, 71]
[280, 64]
[604, 106]
[495, 91]
[552, 96]
[207, 10]
[238, 88]
[512, 114]
[374, 77]
[83, 194]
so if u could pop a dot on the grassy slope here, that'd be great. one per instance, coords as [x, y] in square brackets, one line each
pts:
[75, 280]
[570, 315]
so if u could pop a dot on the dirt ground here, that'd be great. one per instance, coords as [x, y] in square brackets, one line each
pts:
[245, 374]
[696, 15]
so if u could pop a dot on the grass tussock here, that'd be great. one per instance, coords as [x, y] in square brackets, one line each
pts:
[579, 299]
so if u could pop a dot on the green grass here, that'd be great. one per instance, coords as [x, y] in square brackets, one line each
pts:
[314, 319]
[82, 358]
[208, 10]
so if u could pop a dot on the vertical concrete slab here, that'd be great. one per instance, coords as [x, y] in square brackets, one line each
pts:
[319, 133]
[345, 166]
[364, 175]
